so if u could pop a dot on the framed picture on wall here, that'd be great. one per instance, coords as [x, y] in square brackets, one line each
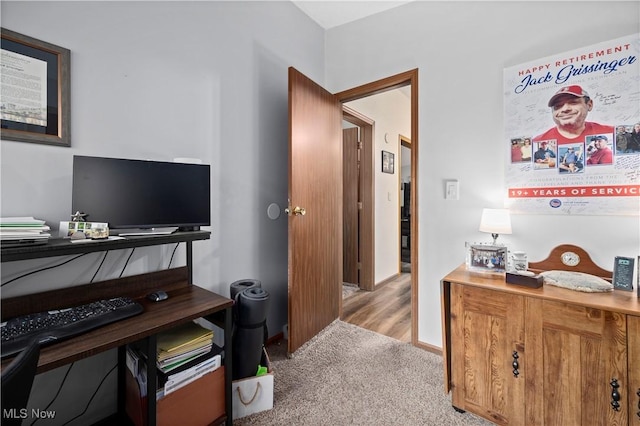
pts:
[35, 90]
[387, 162]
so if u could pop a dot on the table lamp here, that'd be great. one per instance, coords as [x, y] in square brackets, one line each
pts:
[495, 222]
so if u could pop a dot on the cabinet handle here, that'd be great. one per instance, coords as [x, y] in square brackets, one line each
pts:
[638, 393]
[615, 395]
[515, 364]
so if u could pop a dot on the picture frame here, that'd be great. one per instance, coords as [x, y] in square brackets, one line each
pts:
[388, 159]
[486, 257]
[623, 268]
[42, 70]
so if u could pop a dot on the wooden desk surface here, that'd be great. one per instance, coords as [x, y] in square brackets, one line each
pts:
[186, 302]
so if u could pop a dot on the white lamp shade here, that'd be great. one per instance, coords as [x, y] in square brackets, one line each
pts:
[495, 221]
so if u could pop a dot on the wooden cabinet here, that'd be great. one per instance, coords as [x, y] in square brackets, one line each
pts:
[633, 336]
[546, 356]
[574, 353]
[487, 328]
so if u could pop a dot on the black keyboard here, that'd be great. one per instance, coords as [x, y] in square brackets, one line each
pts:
[51, 326]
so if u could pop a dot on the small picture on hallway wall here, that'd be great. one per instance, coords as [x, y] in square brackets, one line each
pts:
[387, 162]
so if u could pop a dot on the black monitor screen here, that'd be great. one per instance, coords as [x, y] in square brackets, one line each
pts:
[141, 194]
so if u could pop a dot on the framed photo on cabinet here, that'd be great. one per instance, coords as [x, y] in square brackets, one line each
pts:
[623, 269]
[35, 104]
[486, 257]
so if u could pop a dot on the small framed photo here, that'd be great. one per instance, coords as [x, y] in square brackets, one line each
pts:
[486, 257]
[387, 162]
[623, 269]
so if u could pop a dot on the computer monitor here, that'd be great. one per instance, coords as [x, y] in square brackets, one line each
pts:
[141, 194]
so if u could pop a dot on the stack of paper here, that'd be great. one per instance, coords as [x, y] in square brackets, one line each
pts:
[182, 344]
[23, 230]
[185, 353]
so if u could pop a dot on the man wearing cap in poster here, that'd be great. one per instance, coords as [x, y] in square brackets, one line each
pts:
[602, 154]
[569, 108]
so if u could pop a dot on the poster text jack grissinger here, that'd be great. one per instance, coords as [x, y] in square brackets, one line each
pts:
[572, 131]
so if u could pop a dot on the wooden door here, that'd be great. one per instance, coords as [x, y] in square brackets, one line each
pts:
[487, 327]
[574, 352]
[315, 185]
[350, 185]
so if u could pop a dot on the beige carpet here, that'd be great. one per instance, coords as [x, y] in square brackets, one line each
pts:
[347, 375]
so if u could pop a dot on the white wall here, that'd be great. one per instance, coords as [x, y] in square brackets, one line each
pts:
[461, 49]
[391, 112]
[209, 80]
[159, 80]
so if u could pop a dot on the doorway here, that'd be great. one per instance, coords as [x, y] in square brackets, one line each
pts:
[315, 194]
[358, 196]
[384, 306]
[408, 82]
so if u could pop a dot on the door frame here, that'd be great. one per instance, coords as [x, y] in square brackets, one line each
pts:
[366, 227]
[389, 83]
[403, 141]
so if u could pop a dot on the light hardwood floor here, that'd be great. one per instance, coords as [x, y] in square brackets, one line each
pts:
[387, 310]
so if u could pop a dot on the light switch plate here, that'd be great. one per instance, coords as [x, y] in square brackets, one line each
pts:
[452, 190]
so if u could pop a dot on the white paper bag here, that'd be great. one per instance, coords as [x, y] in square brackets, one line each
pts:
[252, 395]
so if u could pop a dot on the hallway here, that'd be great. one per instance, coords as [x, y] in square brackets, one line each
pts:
[387, 310]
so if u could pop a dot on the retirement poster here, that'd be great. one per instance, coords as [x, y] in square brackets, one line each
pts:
[572, 130]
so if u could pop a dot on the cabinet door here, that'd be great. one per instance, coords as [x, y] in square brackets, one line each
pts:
[575, 353]
[633, 334]
[487, 328]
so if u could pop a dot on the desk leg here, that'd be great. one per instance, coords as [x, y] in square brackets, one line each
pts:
[151, 379]
[228, 368]
[122, 371]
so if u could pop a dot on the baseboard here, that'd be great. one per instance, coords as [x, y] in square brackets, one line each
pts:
[388, 280]
[275, 338]
[429, 348]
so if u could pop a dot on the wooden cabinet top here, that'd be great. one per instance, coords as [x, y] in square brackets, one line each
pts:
[616, 300]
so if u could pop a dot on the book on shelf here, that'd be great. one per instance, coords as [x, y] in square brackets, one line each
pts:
[15, 229]
[176, 378]
[179, 359]
[182, 339]
[179, 366]
[183, 354]
[182, 377]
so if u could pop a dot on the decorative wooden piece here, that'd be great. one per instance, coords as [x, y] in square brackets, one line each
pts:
[568, 257]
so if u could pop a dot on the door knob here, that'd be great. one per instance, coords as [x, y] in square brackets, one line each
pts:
[297, 211]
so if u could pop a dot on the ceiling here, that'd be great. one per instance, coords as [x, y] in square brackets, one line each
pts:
[329, 14]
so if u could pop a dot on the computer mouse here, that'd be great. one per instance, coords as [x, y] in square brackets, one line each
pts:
[158, 296]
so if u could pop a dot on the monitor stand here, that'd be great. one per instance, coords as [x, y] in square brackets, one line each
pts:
[132, 232]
